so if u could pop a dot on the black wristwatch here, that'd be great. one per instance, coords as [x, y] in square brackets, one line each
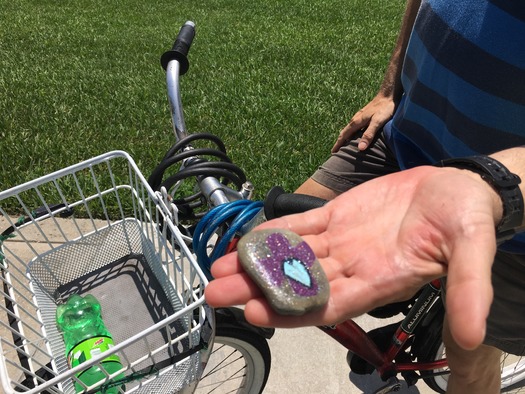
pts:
[503, 181]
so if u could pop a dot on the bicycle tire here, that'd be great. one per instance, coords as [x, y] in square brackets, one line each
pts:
[432, 348]
[239, 363]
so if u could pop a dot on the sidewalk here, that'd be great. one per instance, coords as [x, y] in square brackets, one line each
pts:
[307, 360]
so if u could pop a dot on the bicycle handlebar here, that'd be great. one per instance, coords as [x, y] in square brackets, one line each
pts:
[278, 203]
[216, 192]
[180, 48]
[175, 63]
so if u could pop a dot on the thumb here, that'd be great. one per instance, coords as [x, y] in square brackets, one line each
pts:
[469, 290]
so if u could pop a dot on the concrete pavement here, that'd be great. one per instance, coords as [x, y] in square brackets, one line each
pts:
[307, 361]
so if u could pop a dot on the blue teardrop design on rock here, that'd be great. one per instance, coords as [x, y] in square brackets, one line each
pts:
[296, 270]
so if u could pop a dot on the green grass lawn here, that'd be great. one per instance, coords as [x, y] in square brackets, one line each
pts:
[275, 79]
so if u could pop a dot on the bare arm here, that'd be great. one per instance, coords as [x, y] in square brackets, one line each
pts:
[381, 109]
[391, 86]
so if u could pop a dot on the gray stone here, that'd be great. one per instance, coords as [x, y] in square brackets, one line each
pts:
[285, 268]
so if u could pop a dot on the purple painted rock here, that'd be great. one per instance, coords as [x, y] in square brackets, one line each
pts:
[285, 268]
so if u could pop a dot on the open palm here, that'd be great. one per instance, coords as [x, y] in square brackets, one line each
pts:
[380, 242]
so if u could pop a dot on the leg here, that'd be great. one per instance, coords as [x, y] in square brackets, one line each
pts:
[472, 371]
[313, 188]
[349, 167]
[479, 371]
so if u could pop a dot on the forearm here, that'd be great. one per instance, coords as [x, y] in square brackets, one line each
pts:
[391, 86]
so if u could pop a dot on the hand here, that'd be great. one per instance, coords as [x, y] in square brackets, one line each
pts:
[380, 242]
[372, 117]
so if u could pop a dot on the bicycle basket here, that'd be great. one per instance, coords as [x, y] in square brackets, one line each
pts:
[117, 243]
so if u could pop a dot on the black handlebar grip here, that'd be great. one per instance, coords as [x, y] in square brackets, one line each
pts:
[278, 203]
[180, 48]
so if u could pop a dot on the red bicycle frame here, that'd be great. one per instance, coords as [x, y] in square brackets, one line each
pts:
[355, 339]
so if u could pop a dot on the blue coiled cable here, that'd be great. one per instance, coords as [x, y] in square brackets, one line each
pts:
[237, 213]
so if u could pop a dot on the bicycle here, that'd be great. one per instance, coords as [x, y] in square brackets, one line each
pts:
[163, 246]
[412, 347]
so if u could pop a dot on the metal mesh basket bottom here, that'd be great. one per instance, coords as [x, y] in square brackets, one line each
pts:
[119, 267]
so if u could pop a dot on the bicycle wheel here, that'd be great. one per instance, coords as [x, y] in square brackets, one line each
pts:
[432, 348]
[239, 363]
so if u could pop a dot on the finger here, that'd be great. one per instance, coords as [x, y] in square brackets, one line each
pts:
[258, 312]
[232, 290]
[469, 290]
[226, 265]
[355, 125]
[341, 140]
[369, 134]
[354, 300]
[314, 221]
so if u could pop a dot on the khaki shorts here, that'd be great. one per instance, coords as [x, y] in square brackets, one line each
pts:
[349, 167]
[506, 323]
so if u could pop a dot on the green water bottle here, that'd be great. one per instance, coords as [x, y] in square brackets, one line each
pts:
[85, 337]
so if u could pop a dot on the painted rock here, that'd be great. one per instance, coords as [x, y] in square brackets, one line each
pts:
[283, 265]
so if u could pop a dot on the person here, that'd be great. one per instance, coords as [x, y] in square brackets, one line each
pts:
[453, 94]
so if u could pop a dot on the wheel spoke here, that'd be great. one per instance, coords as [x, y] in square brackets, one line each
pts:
[239, 363]
[512, 373]
[224, 363]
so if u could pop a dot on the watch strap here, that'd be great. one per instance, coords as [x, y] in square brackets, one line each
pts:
[503, 181]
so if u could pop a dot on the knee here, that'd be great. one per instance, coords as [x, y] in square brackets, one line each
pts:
[313, 188]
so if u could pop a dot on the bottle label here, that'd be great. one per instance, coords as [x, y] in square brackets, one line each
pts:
[90, 348]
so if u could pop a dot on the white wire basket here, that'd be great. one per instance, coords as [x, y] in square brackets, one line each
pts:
[97, 228]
